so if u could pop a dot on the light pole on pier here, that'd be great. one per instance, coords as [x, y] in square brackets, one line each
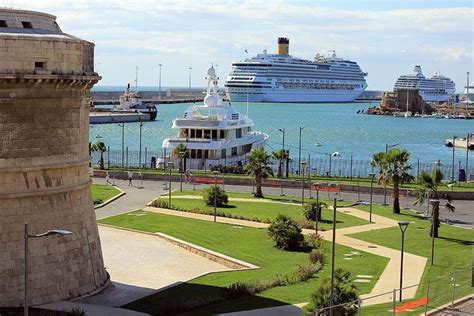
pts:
[190, 68]
[159, 83]
[123, 143]
[452, 167]
[303, 165]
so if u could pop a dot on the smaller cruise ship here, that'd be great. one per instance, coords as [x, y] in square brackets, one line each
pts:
[438, 88]
[213, 133]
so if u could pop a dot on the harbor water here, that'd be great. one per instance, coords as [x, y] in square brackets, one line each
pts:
[335, 127]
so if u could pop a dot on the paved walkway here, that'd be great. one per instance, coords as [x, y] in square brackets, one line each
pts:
[413, 265]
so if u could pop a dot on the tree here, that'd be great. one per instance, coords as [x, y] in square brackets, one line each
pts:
[286, 233]
[429, 190]
[216, 193]
[180, 150]
[345, 292]
[99, 146]
[258, 166]
[279, 155]
[313, 210]
[394, 170]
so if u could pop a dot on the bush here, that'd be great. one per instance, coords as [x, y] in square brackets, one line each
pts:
[313, 210]
[98, 201]
[315, 241]
[77, 311]
[304, 223]
[345, 295]
[159, 203]
[304, 273]
[221, 197]
[316, 256]
[228, 169]
[286, 233]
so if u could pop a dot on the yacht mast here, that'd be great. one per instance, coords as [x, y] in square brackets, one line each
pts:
[136, 78]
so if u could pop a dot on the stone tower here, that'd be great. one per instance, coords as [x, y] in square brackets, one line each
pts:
[45, 81]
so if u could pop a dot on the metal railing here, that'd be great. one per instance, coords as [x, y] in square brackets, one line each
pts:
[327, 166]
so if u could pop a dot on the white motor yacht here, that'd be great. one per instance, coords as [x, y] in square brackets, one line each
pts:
[214, 133]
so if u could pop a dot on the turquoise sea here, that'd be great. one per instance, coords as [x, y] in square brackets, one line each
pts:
[336, 126]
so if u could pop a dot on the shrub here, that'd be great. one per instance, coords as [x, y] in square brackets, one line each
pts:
[221, 197]
[313, 210]
[286, 233]
[315, 241]
[159, 203]
[77, 311]
[316, 256]
[304, 273]
[304, 223]
[98, 201]
[345, 295]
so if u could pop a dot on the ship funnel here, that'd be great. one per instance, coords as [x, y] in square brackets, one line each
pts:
[283, 46]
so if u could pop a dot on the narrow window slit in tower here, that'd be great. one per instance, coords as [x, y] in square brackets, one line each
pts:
[27, 25]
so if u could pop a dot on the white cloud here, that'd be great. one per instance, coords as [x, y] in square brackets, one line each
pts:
[198, 32]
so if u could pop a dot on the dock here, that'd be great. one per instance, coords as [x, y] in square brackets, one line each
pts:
[114, 117]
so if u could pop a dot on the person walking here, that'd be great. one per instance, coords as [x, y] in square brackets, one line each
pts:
[107, 178]
[130, 177]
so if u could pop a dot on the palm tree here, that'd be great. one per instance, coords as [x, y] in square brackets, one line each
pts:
[99, 146]
[258, 166]
[279, 155]
[429, 190]
[180, 150]
[393, 170]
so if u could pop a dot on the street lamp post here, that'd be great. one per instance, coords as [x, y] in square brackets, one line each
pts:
[452, 167]
[57, 232]
[140, 146]
[403, 227]
[303, 164]
[216, 173]
[333, 255]
[317, 207]
[372, 175]
[435, 204]
[282, 130]
[170, 165]
[190, 68]
[123, 143]
[299, 151]
[468, 138]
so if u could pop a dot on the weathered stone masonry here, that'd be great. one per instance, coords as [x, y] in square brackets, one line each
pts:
[45, 82]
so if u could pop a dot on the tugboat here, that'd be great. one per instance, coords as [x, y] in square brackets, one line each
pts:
[134, 101]
[213, 133]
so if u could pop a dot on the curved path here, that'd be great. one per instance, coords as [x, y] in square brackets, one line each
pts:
[389, 279]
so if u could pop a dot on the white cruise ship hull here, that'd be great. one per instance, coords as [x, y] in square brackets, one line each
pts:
[294, 96]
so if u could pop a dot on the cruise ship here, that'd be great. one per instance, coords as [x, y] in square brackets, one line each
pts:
[283, 78]
[438, 88]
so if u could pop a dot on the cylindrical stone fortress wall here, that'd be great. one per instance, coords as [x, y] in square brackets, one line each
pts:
[44, 176]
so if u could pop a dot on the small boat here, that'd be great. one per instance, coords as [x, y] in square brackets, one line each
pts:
[460, 143]
[408, 114]
[398, 114]
[98, 136]
[318, 144]
[437, 115]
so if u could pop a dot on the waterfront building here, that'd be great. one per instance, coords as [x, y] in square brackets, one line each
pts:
[438, 88]
[214, 133]
[283, 78]
[45, 81]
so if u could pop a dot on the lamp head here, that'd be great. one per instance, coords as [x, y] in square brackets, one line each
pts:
[403, 225]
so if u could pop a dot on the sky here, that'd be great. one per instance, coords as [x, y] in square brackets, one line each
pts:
[386, 38]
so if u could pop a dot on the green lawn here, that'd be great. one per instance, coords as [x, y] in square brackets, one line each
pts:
[258, 211]
[453, 252]
[101, 193]
[248, 244]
